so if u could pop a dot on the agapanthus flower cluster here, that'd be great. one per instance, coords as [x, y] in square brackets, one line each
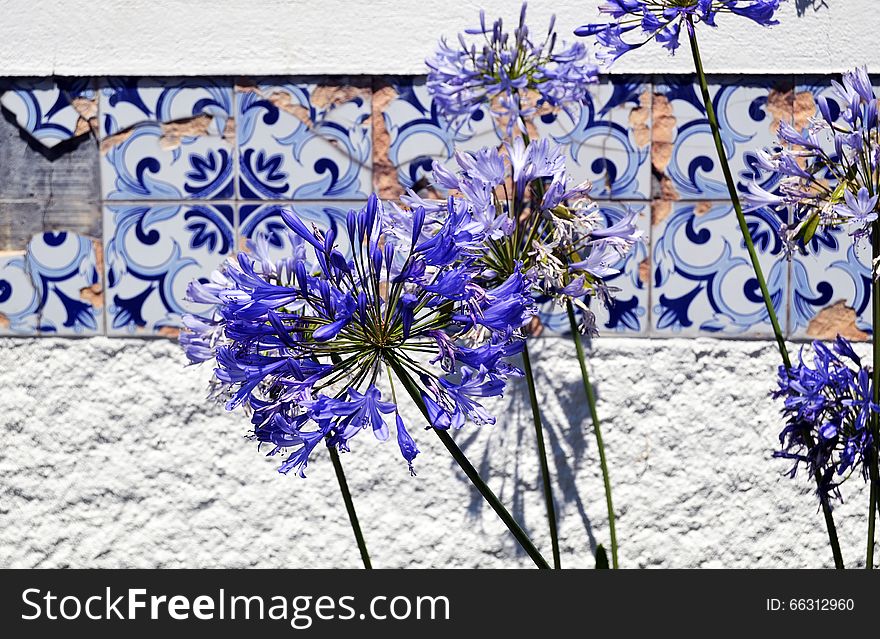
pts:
[501, 70]
[828, 407]
[535, 221]
[831, 171]
[306, 342]
[637, 22]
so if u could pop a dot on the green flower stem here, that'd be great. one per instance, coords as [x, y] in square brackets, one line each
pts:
[346, 495]
[349, 506]
[734, 196]
[542, 457]
[591, 401]
[759, 274]
[471, 472]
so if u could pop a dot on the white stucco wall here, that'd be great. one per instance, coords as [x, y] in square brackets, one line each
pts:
[196, 37]
[109, 457]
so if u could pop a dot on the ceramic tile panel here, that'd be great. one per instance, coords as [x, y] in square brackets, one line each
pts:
[683, 153]
[702, 278]
[152, 252]
[304, 139]
[607, 140]
[168, 139]
[52, 287]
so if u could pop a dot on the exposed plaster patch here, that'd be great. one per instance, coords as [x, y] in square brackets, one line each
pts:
[702, 208]
[284, 101]
[229, 130]
[645, 270]
[174, 131]
[640, 119]
[385, 181]
[330, 96]
[169, 331]
[804, 108]
[88, 115]
[94, 294]
[535, 326]
[662, 133]
[117, 138]
[780, 104]
[660, 210]
[833, 320]
[668, 190]
[4, 322]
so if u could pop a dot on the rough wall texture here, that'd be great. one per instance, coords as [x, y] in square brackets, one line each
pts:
[110, 457]
[180, 37]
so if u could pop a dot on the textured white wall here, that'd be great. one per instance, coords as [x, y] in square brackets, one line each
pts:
[110, 457]
[171, 37]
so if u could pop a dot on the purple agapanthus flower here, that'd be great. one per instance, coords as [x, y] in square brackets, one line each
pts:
[827, 407]
[306, 343]
[830, 172]
[531, 219]
[637, 22]
[489, 66]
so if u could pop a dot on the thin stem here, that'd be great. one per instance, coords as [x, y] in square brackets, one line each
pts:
[542, 457]
[349, 506]
[591, 402]
[471, 472]
[734, 196]
[346, 494]
[759, 274]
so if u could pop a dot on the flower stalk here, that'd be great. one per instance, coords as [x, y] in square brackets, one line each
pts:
[753, 256]
[542, 457]
[597, 430]
[349, 506]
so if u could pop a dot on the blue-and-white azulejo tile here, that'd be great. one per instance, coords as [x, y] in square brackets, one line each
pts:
[303, 140]
[703, 280]
[52, 288]
[153, 252]
[44, 107]
[683, 150]
[169, 139]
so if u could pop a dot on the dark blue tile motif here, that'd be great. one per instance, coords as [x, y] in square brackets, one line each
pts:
[167, 140]
[301, 141]
[152, 254]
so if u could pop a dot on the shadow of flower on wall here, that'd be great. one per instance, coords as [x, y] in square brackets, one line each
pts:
[806, 5]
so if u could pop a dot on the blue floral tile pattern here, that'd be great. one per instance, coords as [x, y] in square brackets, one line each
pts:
[703, 281]
[153, 251]
[831, 288]
[167, 140]
[303, 140]
[627, 314]
[265, 219]
[683, 149]
[607, 139]
[52, 288]
[44, 107]
[412, 135]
